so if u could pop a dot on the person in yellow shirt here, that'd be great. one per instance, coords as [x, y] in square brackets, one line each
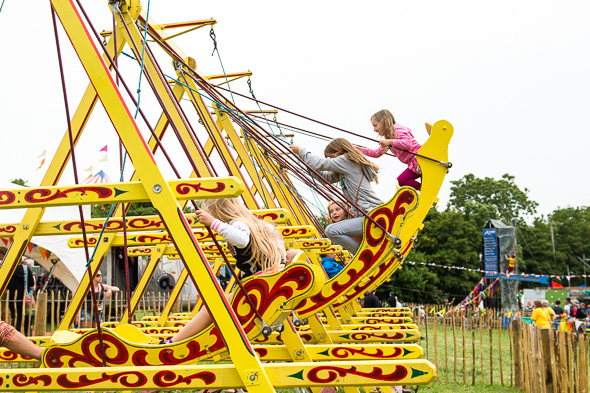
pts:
[540, 316]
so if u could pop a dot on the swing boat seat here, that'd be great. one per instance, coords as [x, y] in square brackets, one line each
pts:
[274, 295]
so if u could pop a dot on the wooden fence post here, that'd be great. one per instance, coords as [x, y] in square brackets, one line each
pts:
[563, 374]
[446, 349]
[499, 324]
[481, 321]
[463, 317]
[41, 314]
[584, 377]
[455, 348]
[546, 358]
[434, 337]
[426, 329]
[490, 322]
[516, 327]
[473, 349]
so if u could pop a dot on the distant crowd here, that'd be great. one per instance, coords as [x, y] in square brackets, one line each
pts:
[573, 316]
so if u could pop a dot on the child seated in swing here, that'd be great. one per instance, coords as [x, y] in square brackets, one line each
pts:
[256, 245]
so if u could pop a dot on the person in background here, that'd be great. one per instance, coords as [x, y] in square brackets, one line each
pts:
[330, 265]
[540, 315]
[21, 283]
[567, 307]
[392, 300]
[102, 291]
[548, 309]
[511, 262]
[559, 313]
[371, 300]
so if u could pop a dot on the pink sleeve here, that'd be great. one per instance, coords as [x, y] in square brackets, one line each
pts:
[403, 143]
[378, 152]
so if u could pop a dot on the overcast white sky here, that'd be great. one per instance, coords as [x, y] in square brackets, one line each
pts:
[512, 78]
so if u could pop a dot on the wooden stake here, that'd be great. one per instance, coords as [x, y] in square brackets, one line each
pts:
[490, 321]
[41, 314]
[481, 320]
[464, 359]
[512, 360]
[584, 377]
[473, 350]
[500, 348]
[455, 349]
[52, 311]
[547, 359]
[58, 313]
[426, 329]
[434, 339]
[446, 350]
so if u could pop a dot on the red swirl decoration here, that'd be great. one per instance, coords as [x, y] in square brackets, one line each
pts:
[20, 380]
[372, 321]
[9, 356]
[313, 243]
[388, 314]
[41, 195]
[346, 352]
[134, 251]
[91, 241]
[364, 260]
[117, 353]
[263, 297]
[272, 216]
[153, 238]
[334, 372]
[381, 327]
[261, 352]
[167, 378]
[7, 197]
[385, 336]
[7, 229]
[130, 379]
[185, 188]
[293, 232]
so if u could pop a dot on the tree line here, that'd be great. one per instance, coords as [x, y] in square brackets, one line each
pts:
[453, 237]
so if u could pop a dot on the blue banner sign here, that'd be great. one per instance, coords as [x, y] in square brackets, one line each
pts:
[490, 251]
[520, 277]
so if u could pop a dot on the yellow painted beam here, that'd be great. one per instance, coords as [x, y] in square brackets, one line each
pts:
[201, 188]
[134, 224]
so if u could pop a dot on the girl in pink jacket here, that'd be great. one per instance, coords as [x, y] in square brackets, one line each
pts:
[400, 141]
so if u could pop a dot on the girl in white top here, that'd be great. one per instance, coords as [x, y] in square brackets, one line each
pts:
[257, 246]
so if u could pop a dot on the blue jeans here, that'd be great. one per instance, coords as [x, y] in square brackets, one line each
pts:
[341, 232]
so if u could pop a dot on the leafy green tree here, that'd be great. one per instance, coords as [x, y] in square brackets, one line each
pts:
[488, 198]
[448, 239]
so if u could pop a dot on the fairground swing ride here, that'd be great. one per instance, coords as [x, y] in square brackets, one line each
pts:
[309, 326]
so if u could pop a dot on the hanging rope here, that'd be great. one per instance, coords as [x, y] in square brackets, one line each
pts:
[250, 301]
[101, 349]
[142, 55]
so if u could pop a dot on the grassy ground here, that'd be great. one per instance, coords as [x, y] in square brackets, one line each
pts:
[475, 357]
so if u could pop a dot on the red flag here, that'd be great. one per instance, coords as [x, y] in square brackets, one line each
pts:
[555, 285]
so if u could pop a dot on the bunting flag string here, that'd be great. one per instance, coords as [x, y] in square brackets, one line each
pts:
[556, 276]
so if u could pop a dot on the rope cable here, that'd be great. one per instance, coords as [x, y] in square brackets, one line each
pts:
[75, 170]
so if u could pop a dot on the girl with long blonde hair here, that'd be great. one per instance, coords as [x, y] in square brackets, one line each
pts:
[256, 245]
[344, 163]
